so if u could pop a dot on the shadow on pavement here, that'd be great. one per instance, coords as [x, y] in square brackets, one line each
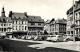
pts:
[19, 46]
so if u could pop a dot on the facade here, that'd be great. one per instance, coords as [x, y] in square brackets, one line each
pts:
[75, 20]
[47, 26]
[35, 25]
[58, 27]
[26, 24]
[19, 24]
[5, 23]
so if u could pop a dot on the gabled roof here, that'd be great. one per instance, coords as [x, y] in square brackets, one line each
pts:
[48, 21]
[61, 21]
[17, 16]
[35, 19]
[24, 16]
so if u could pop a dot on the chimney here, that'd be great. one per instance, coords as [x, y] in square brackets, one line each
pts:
[10, 14]
[76, 3]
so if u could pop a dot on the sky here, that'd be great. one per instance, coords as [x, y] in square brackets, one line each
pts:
[47, 9]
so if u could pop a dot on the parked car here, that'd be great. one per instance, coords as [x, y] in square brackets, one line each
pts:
[2, 35]
[70, 38]
[40, 38]
[48, 38]
[55, 38]
[36, 37]
[29, 37]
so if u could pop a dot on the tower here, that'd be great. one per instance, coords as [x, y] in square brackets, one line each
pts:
[3, 12]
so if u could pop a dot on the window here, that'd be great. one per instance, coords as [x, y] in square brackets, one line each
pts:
[39, 23]
[32, 23]
[4, 24]
[22, 27]
[68, 32]
[71, 32]
[16, 27]
[19, 22]
[19, 27]
[4, 29]
[16, 22]
[25, 27]
[1, 24]
[22, 22]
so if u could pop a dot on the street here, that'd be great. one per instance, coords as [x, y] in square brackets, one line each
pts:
[16, 45]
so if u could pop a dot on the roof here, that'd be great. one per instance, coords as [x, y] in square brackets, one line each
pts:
[17, 16]
[35, 19]
[24, 16]
[48, 21]
[61, 21]
[5, 19]
[52, 20]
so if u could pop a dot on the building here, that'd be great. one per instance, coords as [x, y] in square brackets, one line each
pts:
[58, 27]
[35, 25]
[26, 24]
[5, 23]
[73, 21]
[47, 26]
[19, 23]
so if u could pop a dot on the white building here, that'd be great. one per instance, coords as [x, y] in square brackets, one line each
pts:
[5, 23]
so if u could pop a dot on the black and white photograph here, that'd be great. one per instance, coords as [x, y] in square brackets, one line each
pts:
[39, 25]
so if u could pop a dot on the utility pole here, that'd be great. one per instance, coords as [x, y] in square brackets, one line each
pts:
[73, 22]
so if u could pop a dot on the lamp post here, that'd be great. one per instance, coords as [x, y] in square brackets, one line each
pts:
[73, 22]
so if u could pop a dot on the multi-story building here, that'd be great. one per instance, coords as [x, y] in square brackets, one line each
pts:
[19, 23]
[26, 24]
[73, 20]
[35, 25]
[5, 23]
[58, 27]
